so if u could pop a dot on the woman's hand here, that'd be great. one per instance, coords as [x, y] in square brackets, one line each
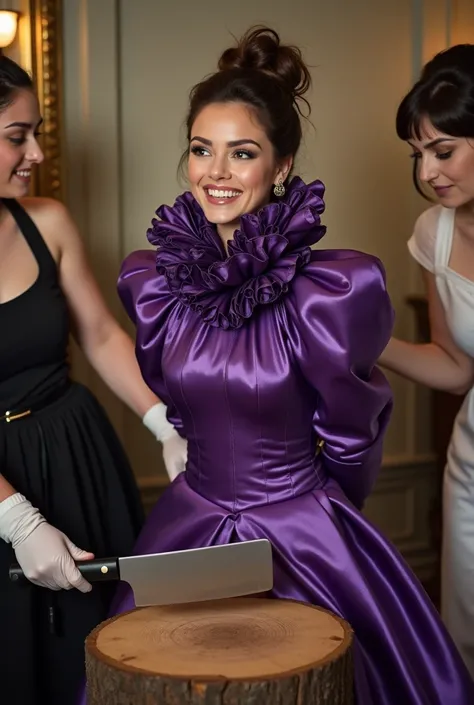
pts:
[175, 448]
[439, 364]
[45, 554]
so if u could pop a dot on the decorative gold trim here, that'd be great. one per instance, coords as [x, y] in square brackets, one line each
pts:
[46, 65]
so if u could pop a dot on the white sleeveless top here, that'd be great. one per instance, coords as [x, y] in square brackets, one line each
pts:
[430, 245]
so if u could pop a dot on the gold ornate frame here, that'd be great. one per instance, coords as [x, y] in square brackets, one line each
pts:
[46, 66]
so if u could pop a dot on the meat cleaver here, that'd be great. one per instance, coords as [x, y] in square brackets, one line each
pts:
[194, 575]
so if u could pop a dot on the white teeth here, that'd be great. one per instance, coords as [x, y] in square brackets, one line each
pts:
[23, 172]
[222, 194]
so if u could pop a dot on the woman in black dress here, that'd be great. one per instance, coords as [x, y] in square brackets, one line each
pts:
[64, 476]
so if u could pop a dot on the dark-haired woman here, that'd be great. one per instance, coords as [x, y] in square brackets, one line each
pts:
[264, 352]
[436, 119]
[65, 482]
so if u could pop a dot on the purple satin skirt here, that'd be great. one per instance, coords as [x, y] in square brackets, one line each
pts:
[326, 553]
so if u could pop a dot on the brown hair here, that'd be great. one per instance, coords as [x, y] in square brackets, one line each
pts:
[12, 79]
[444, 94]
[266, 75]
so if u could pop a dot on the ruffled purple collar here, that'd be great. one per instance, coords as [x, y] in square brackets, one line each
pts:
[264, 255]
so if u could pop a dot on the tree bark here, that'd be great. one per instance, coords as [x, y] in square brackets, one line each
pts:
[242, 651]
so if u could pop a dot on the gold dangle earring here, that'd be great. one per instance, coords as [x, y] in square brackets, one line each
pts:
[279, 189]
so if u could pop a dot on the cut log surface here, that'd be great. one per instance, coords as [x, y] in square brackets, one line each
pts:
[239, 651]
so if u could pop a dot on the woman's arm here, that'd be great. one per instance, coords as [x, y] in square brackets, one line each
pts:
[108, 348]
[341, 319]
[439, 364]
[106, 345]
[6, 490]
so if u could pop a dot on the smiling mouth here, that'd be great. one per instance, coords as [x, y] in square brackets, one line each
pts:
[222, 196]
[24, 174]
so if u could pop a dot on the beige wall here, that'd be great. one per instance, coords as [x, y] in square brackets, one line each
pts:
[128, 67]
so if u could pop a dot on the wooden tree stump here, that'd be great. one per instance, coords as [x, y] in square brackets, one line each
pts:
[242, 651]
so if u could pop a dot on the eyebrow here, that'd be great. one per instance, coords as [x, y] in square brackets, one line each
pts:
[439, 140]
[24, 125]
[232, 143]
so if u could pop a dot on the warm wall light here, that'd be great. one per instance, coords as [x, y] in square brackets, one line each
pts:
[8, 27]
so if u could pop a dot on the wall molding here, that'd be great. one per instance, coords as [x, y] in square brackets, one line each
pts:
[405, 460]
[402, 506]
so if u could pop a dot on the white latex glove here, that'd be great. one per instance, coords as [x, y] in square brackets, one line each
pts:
[45, 554]
[175, 448]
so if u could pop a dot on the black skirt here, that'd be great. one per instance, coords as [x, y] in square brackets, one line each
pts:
[67, 460]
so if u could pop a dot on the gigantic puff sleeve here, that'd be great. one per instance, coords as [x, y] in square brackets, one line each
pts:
[150, 306]
[341, 321]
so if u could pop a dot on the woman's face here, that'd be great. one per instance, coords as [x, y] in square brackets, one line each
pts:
[19, 150]
[232, 165]
[446, 164]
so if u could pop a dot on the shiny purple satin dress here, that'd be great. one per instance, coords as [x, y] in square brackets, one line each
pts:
[260, 354]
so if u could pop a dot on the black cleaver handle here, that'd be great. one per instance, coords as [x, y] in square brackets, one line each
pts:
[93, 571]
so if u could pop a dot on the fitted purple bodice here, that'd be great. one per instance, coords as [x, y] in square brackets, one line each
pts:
[263, 351]
[247, 416]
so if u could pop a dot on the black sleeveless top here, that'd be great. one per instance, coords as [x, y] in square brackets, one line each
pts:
[34, 328]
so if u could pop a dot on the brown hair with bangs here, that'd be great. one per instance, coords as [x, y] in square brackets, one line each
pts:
[444, 94]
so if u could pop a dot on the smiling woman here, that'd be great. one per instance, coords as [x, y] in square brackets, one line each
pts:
[244, 130]
[233, 168]
[19, 150]
[264, 349]
[64, 477]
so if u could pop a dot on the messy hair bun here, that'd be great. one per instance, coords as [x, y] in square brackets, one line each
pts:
[260, 49]
[269, 77]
